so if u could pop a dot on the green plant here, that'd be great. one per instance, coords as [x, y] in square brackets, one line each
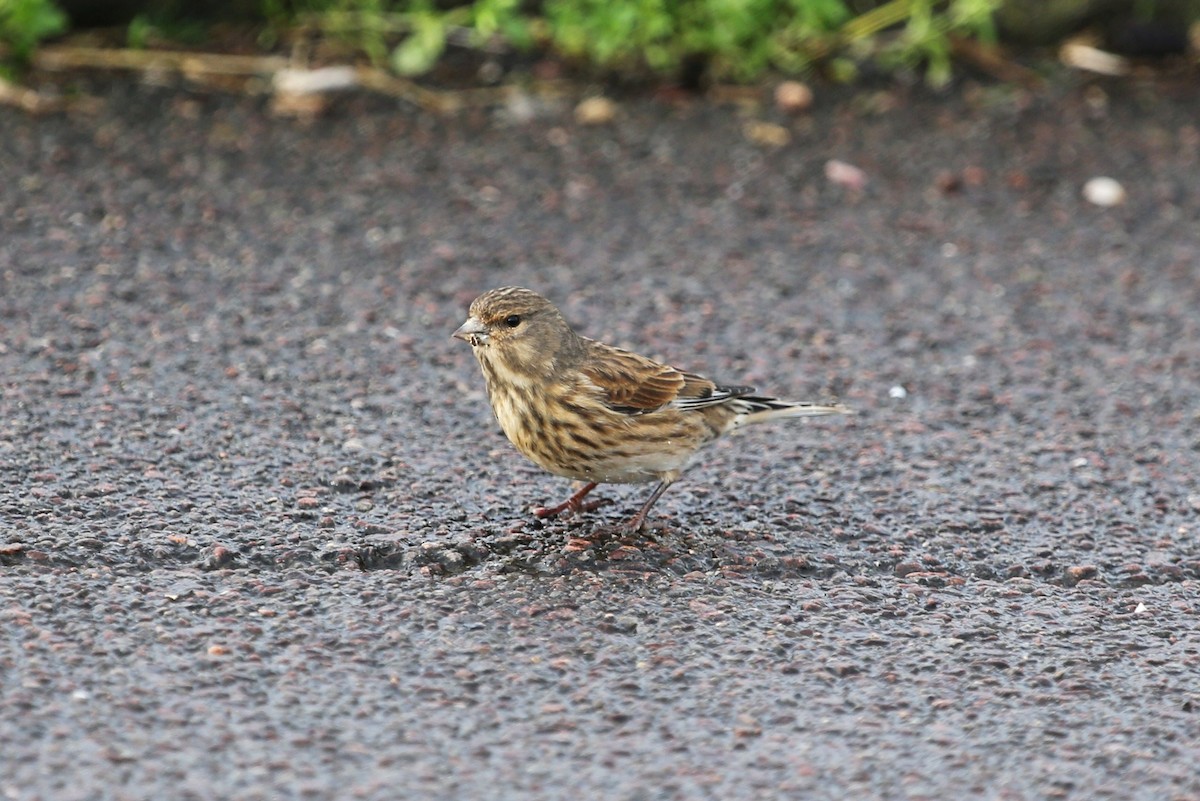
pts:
[743, 38]
[24, 23]
[925, 35]
[144, 30]
[411, 36]
[425, 42]
[732, 39]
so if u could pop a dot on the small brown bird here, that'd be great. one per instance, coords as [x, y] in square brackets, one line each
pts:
[588, 411]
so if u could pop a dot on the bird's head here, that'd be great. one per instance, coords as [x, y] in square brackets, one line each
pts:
[518, 329]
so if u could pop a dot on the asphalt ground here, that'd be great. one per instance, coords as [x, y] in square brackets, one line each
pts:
[261, 538]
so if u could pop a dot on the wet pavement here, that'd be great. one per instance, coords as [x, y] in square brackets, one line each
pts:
[262, 539]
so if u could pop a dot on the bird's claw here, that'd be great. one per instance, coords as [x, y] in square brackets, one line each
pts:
[570, 506]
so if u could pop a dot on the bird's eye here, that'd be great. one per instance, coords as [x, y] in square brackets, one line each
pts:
[512, 320]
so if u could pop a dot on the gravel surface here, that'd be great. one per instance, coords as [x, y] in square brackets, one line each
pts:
[261, 538]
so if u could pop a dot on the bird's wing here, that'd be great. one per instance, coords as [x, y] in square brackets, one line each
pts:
[633, 384]
[711, 395]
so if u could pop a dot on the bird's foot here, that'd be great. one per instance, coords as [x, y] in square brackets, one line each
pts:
[634, 524]
[574, 504]
[639, 525]
[570, 508]
[638, 521]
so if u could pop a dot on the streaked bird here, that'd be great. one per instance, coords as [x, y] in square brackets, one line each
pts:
[585, 410]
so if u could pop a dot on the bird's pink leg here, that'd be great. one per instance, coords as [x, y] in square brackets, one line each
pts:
[573, 504]
[637, 521]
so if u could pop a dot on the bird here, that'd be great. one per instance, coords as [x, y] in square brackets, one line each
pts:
[588, 411]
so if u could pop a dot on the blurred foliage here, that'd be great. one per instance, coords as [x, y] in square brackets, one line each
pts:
[148, 29]
[25, 23]
[734, 39]
[714, 39]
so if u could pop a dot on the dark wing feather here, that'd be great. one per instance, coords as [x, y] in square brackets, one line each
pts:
[711, 396]
[633, 384]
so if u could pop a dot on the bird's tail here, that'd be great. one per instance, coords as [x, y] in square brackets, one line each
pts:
[761, 410]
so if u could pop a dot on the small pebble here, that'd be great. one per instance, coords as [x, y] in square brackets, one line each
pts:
[1083, 56]
[767, 133]
[793, 97]
[595, 111]
[521, 108]
[1104, 192]
[325, 79]
[843, 174]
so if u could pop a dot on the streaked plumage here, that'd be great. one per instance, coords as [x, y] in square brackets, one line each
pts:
[589, 411]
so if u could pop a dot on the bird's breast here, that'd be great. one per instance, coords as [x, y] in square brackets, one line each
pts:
[564, 426]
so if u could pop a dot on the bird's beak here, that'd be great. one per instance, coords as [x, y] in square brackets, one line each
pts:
[472, 331]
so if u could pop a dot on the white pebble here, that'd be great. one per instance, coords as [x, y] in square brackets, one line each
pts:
[898, 392]
[304, 82]
[843, 174]
[1085, 57]
[1104, 192]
